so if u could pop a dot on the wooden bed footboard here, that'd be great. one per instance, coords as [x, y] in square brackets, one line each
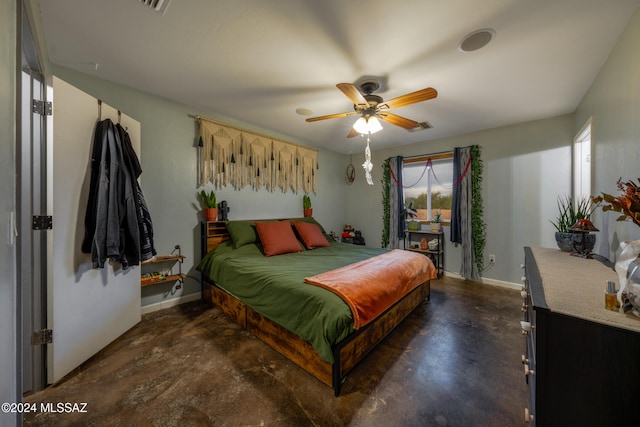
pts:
[347, 353]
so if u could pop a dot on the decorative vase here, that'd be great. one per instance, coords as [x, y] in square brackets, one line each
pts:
[211, 214]
[423, 244]
[308, 212]
[566, 241]
[413, 225]
[628, 268]
[633, 285]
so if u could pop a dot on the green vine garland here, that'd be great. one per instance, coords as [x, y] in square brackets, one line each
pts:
[386, 183]
[478, 225]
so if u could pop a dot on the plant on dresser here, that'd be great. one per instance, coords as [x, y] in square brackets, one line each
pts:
[569, 212]
[628, 258]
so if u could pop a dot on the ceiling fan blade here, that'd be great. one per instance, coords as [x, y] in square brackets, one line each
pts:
[410, 98]
[330, 116]
[353, 94]
[352, 133]
[394, 119]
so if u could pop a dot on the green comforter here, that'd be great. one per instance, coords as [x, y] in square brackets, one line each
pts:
[274, 286]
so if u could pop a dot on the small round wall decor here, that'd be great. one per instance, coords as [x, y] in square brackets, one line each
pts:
[351, 174]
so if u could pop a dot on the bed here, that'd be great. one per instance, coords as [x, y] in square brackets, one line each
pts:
[286, 298]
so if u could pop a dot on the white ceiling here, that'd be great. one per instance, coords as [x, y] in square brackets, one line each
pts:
[254, 62]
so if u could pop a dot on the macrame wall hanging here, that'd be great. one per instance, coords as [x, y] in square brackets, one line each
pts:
[240, 158]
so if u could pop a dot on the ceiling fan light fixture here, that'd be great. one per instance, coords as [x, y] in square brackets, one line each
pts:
[367, 125]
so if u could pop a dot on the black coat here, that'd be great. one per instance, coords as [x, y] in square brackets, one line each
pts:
[114, 219]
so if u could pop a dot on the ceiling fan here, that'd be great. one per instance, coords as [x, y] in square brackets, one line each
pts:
[368, 105]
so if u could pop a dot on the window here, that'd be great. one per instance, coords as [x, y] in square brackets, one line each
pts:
[582, 163]
[427, 181]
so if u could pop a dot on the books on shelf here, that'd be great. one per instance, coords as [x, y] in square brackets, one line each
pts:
[152, 277]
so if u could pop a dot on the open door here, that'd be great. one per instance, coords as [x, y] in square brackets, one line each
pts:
[86, 308]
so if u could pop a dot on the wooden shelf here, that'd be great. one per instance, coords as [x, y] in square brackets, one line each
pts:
[164, 258]
[436, 256]
[425, 251]
[171, 278]
[172, 258]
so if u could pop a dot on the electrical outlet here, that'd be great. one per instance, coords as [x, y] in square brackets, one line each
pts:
[492, 259]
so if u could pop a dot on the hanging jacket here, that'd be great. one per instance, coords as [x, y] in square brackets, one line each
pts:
[112, 222]
[145, 226]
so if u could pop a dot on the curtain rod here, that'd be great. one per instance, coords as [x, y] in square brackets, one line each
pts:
[249, 131]
[428, 155]
[442, 154]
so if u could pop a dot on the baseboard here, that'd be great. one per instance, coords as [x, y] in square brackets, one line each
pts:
[170, 303]
[487, 281]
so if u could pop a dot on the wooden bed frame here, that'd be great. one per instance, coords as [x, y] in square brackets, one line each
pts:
[347, 353]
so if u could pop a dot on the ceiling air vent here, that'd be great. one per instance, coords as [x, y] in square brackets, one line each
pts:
[159, 6]
[421, 126]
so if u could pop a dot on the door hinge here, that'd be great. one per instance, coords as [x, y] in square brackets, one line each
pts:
[42, 337]
[42, 222]
[44, 108]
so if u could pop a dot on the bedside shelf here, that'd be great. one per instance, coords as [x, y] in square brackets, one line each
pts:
[173, 259]
[436, 256]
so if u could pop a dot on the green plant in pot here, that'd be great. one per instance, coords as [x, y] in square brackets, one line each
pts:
[306, 205]
[209, 204]
[409, 213]
[436, 222]
[569, 212]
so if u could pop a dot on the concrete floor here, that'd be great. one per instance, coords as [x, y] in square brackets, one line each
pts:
[455, 361]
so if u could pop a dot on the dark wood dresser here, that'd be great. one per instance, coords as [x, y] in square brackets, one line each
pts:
[581, 361]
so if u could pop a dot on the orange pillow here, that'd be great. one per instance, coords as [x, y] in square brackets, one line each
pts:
[277, 238]
[310, 234]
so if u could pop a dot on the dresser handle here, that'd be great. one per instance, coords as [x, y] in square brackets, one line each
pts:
[524, 293]
[524, 360]
[526, 326]
[527, 416]
[528, 371]
[523, 279]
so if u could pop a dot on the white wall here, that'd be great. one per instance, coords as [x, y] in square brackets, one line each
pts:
[10, 379]
[614, 103]
[169, 180]
[526, 166]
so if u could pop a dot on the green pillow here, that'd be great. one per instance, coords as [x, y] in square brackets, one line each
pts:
[242, 232]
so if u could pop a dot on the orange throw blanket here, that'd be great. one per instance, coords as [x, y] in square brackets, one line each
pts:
[371, 286]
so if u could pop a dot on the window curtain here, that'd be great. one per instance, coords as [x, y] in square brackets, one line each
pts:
[461, 211]
[393, 203]
[396, 204]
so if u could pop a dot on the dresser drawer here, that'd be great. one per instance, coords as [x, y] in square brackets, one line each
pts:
[581, 354]
[527, 327]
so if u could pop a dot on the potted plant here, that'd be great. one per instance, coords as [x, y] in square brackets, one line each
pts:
[409, 214]
[209, 204]
[568, 214]
[627, 205]
[436, 222]
[306, 205]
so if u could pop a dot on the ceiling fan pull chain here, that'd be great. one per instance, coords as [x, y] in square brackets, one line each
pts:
[367, 165]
